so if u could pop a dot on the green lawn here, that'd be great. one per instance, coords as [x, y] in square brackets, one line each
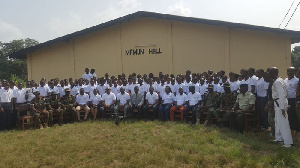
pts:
[141, 144]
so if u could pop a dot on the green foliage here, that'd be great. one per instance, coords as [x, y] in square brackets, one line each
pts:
[296, 57]
[17, 80]
[9, 66]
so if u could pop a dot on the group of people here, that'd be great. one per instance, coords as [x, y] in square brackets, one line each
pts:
[209, 97]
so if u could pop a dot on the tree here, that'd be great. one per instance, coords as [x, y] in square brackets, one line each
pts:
[14, 67]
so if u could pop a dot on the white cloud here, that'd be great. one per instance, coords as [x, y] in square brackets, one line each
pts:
[70, 23]
[114, 11]
[179, 9]
[9, 32]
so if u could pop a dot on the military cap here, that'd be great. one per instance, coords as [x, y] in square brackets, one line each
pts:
[244, 85]
[210, 86]
[36, 92]
[226, 85]
[67, 90]
[53, 93]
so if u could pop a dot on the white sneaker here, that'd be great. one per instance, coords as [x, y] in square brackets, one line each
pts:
[286, 146]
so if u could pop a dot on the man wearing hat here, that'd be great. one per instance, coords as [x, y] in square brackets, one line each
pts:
[210, 104]
[245, 101]
[54, 108]
[40, 113]
[228, 99]
[68, 103]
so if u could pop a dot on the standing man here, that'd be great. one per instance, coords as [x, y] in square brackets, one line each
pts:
[291, 83]
[87, 75]
[262, 99]
[279, 94]
[6, 94]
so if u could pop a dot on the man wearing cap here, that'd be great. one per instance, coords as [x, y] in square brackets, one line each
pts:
[40, 112]
[244, 103]
[68, 104]
[210, 104]
[228, 99]
[54, 107]
[82, 99]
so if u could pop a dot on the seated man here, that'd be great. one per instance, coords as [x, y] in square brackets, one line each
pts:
[167, 100]
[179, 103]
[39, 108]
[151, 103]
[210, 104]
[136, 102]
[228, 99]
[244, 103]
[108, 102]
[95, 100]
[194, 99]
[54, 107]
[123, 99]
[68, 104]
[82, 99]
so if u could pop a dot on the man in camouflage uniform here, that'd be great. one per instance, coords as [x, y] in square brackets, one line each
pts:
[39, 108]
[228, 99]
[210, 104]
[54, 107]
[68, 103]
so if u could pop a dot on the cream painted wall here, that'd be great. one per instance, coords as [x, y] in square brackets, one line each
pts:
[197, 47]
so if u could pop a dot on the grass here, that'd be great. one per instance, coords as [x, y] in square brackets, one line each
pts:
[141, 144]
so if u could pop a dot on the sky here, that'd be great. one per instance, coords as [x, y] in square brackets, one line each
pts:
[45, 20]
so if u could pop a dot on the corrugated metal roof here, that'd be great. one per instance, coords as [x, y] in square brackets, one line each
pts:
[295, 35]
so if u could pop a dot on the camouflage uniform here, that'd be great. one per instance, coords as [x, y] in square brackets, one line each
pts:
[39, 116]
[212, 101]
[228, 100]
[68, 105]
[55, 104]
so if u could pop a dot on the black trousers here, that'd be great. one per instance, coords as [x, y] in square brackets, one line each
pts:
[5, 117]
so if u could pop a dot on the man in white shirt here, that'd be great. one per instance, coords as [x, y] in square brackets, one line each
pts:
[167, 103]
[6, 94]
[43, 89]
[291, 83]
[179, 104]
[82, 99]
[87, 75]
[279, 94]
[108, 102]
[101, 86]
[193, 99]
[151, 103]
[252, 80]
[93, 75]
[122, 101]
[262, 99]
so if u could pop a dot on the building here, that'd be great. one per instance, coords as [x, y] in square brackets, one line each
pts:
[145, 42]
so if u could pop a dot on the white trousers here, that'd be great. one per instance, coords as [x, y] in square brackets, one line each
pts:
[282, 127]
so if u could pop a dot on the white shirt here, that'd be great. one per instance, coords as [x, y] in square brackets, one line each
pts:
[87, 76]
[151, 97]
[234, 86]
[279, 92]
[101, 89]
[252, 81]
[55, 89]
[115, 90]
[30, 94]
[291, 86]
[123, 98]
[168, 98]
[108, 98]
[180, 99]
[91, 89]
[202, 89]
[261, 87]
[74, 91]
[194, 98]
[95, 99]
[43, 90]
[82, 99]
[6, 95]
[19, 95]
